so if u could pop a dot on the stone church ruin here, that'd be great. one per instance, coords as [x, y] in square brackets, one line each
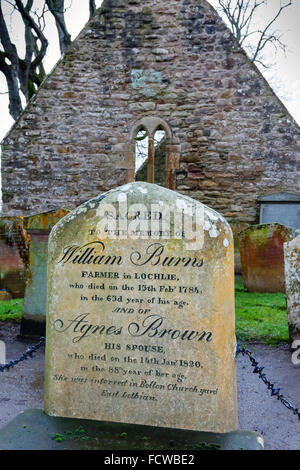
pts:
[149, 65]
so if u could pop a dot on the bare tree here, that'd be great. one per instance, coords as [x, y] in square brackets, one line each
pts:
[57, 8]
[25, 74]
[242, 16]
[92, 7]
[22, 74]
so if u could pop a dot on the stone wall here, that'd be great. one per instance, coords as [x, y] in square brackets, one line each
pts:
[175, 61]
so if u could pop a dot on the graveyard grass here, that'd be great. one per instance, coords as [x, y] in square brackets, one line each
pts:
[11, 310]
[259, 317]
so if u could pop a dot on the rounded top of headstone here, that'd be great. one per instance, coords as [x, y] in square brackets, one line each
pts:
[293, 244]
[146, 211]
[45, 220]
[145, 192]
[266, 230]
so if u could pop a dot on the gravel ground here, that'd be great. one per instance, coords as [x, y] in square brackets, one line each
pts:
[22, 388]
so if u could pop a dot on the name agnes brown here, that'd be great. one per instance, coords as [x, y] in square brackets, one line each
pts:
[152, 326]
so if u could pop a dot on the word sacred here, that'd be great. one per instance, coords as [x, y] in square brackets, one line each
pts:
[184, 220]
[92, 253]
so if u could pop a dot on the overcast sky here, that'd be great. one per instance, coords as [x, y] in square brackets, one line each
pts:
[285, 72]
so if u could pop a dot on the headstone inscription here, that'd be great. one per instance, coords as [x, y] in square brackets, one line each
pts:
[292, 282]
[140, 315]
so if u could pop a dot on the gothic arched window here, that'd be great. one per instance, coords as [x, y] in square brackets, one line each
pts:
[156, 158]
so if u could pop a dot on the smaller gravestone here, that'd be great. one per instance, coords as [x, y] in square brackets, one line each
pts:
[4, 295]
[38, 228]
[292, 282]
[281, 208]
[237, 228]
[13, 256]
[140, 318]
[262, 257]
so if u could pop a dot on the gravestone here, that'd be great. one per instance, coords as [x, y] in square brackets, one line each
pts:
[4, 295]
[13, 256]
[282, 208]
[237, 228]
[140, 312]
[262, 257]
[292, 282]
[38, 228]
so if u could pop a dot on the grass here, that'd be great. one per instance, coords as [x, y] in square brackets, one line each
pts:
[259, 317]
[11, 310]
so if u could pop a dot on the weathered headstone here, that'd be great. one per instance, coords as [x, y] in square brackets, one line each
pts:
[292, 282]
[141, 327]
[13, 255]
[4, 295]
[237, 228]
[262, 258]
[38, 228]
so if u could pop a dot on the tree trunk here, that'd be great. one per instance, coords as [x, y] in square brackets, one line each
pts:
[92, 5]
[57, 9]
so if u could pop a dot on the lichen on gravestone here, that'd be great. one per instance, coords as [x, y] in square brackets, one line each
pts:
[292, 283]
[140, 315]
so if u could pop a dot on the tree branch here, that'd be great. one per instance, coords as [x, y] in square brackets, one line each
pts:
[92, 7]
[11, 70]
[241, 13]
[30, 23]
[56, 7]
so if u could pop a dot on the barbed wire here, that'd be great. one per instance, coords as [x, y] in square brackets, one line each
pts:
[275, 392]
[28, 353]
